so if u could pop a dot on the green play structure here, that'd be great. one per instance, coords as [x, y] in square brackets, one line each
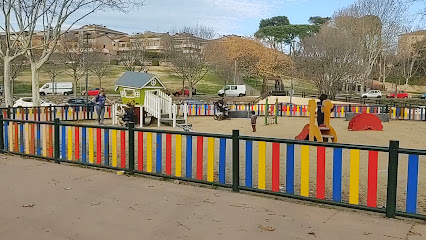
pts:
[132, 86]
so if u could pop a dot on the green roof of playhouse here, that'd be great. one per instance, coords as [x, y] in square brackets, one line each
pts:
[136, 80]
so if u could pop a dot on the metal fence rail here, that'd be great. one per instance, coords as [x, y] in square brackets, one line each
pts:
[64, 113]
[291, 110]
[326, 173]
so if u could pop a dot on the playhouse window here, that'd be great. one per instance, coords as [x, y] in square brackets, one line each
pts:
[130, 93]
[137, 94]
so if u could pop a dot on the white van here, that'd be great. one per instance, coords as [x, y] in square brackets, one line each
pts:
[64, 88]
[233, 91]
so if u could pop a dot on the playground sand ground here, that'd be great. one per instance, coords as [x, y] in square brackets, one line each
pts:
[411, 134]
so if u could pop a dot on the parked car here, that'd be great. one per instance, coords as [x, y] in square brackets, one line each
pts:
[28, 102]
[76, 102]
[423, 96]
[64, 88]
[193, 102]
[400, 94]
[233, 91]
[372, 94]
[92, 92]
[185, 92]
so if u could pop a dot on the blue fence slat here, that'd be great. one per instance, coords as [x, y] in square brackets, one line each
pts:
[6, 135]
[158, 155]
[222, 160]
[413, 172]
[21, 137]
[337, 174]
[63, 145]
[290, 169]
[106, 146]
[188, 156]
[38, 140]
[249, 160]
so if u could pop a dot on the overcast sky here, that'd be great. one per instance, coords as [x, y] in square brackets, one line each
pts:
[225, 16]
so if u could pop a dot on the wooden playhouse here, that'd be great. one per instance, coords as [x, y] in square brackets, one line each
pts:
[133, 85]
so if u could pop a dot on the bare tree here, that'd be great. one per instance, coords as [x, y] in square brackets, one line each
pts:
[54, 13]
[329, 60]
[387, 64]
[421, 10]
[134, 58]
[223, 66]
[100, 70]
[71, 54]
[17, 66]
[186, 53]
[53, 71]
[19, 22]
[410, 60]
[375, 24]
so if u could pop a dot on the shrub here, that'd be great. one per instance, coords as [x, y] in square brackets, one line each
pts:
[113, 62]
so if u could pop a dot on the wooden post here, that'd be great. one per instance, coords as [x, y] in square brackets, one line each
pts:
[311, 108]
[185, 112]
[276, 111]
[266, 112]
[174, 109]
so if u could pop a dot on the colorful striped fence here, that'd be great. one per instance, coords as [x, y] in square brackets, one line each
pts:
[306, 170]
[355, 176]
[291, 110]
[197, 157]
[28, 138]
[63, 113]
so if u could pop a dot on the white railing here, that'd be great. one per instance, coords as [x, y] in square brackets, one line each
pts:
[153, 105]
[175, 111]
[166, 103]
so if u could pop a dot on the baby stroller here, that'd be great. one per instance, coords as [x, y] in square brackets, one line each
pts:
[129, 115]
[222, 112]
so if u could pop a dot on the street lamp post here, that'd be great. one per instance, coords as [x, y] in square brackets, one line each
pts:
[87, 74]
[292, 72]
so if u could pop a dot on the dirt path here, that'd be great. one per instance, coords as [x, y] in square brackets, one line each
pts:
[43, 200]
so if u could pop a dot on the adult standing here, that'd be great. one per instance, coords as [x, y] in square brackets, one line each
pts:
[100, 101]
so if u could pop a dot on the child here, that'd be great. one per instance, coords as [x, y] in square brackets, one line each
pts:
[119, 115]
[320, 113]
[253, 120]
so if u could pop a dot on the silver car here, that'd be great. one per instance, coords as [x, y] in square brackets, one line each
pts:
[372, 94]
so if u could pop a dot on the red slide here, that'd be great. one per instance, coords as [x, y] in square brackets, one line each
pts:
[304, 135]
[364, 122]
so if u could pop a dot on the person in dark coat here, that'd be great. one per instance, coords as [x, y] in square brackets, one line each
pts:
[320, 113]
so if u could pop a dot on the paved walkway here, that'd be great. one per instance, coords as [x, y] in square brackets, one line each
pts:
[42, 200]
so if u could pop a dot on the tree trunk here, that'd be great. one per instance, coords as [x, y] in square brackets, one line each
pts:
[75, 83]
[183, 87]
[35, 73]
[396, 90]
[8, 95]
[100, 83]
[190, 90]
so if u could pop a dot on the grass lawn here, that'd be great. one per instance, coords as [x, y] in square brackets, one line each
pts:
[210, 84]
[300, 85]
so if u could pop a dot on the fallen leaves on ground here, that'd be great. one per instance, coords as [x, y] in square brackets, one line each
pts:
[28, 205]
[266, 228]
